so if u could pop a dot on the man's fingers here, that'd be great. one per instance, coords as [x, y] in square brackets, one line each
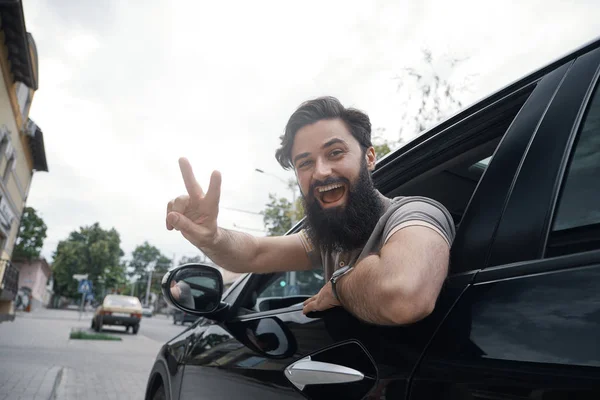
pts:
[309, 300]
[191, 184]
[180, 204]
[169, 209]
[214, 189]
[310, 306]
[180, 222]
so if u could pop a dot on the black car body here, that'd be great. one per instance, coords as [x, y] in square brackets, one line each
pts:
[519, 314]
[182, 317]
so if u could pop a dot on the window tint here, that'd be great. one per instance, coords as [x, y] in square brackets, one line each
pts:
[578, 210]
[580, 200]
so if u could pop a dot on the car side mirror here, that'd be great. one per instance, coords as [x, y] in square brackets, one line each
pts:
[194, 288]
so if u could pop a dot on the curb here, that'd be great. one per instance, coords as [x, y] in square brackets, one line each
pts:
[52, 380]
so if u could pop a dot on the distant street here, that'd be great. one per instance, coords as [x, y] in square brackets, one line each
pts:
[36, 353]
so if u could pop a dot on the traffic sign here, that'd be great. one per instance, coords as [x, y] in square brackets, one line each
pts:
[85, 286]
[79, 277]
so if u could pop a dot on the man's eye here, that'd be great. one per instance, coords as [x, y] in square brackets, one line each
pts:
[304, 164]
[336, 153]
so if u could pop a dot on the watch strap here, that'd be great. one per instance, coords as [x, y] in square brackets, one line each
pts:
[334, 279]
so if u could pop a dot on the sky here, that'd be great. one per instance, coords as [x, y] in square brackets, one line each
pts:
[126, 88]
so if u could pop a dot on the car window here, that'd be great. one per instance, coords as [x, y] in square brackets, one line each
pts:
[579, 206]
[294, 283]
[285, 289]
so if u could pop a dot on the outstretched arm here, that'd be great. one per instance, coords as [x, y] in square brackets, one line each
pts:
[195, 216]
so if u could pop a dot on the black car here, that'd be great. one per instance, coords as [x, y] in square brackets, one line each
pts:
[182, 317]
[519, 314]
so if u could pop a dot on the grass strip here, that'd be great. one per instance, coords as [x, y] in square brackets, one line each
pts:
[81, 335]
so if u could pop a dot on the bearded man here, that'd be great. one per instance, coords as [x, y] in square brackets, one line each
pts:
[385, 260]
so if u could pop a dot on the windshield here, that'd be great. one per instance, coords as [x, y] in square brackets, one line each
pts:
[114, 301]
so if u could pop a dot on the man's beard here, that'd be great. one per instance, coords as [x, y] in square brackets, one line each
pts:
[346, 227]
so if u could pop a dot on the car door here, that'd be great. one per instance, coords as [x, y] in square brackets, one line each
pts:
[529, 323]
[246, 356]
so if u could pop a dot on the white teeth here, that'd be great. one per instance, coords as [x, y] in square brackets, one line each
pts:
[322, 189]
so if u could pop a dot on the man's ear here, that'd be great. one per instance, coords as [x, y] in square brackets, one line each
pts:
[371, 158]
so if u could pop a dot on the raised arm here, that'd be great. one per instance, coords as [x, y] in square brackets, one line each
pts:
[195, 216]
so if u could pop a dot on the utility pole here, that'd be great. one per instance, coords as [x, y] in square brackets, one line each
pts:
[151, 266]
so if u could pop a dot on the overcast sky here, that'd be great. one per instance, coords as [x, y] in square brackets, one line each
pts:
[127, 87]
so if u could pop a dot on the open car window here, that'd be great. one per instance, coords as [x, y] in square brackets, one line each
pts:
[287, 289]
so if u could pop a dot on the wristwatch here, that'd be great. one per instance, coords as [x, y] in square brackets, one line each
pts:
[337, 275]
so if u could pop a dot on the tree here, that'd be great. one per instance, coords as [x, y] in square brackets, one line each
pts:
[32, 233]
[430, 97]
[200, 258]
[143, 258]
[93, 251]
[277, 216]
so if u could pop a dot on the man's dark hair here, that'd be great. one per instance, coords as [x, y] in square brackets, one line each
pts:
[318, 109]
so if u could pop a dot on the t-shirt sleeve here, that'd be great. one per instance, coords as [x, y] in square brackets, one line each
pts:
[313, 253]
[425, 212]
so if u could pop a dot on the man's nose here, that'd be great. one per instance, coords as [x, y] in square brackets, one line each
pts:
[322, 170]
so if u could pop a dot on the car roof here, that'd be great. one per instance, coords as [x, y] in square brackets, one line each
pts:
[122, 296]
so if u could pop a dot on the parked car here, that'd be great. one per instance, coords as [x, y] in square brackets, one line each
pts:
[118, 310]
[182, 317]
[519, 314]
[147, 311]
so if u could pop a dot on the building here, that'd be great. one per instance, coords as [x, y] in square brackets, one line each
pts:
[34, 277]
[21, 140]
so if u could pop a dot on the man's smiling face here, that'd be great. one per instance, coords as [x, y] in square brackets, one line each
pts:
[327, 160]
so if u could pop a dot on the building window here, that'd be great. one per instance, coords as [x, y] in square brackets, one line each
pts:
[23, 97]
[10, 166]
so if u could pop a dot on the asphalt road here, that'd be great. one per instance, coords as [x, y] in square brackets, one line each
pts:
[159, 328]
[37, 344]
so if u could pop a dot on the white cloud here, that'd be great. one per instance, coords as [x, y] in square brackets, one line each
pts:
[125, 89]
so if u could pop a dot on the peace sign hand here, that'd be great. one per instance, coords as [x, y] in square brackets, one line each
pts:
[195, 214]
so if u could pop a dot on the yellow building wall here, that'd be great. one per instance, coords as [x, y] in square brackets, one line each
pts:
[22, 168]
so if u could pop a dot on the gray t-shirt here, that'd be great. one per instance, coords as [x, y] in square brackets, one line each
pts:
[399, 213]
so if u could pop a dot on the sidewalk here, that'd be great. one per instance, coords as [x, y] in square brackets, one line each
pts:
[38, 360]
[22, 381]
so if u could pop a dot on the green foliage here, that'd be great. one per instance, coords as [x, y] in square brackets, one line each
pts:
[91, 250]
[277, 216]
[144, 257]
[382, 149]
[32, 233]
[81, 335]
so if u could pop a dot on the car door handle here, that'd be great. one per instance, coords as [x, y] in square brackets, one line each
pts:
[308, 372]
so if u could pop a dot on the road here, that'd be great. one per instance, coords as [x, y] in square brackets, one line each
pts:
[36, 345]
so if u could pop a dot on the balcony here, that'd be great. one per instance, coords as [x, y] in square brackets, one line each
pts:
[10, 280]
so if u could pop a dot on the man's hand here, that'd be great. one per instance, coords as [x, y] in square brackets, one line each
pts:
[175, 290]
[321, 301]
[195, 214]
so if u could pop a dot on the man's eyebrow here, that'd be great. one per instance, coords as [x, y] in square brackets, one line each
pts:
[334, 141]
[300, 156]
[326, 145]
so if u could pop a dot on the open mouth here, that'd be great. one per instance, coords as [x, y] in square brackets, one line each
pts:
[331, 194]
